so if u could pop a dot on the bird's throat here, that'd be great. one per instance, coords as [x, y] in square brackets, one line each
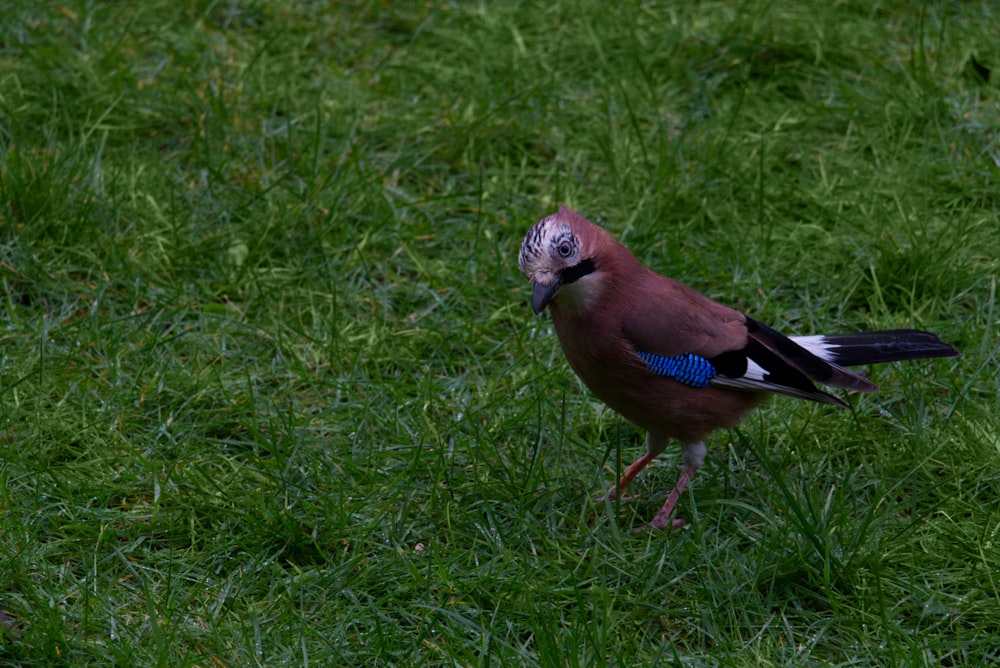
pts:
[578, 297]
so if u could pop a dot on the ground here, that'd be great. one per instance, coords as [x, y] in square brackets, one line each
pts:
[271, 390]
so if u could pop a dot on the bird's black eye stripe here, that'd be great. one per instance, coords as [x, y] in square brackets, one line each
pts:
[577, 271]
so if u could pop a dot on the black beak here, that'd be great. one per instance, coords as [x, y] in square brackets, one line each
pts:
[541, 295]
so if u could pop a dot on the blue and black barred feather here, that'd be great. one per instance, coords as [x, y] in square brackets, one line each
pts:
[689, 369]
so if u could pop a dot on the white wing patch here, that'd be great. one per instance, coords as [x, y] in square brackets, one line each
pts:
[754, 371]
[818, 346]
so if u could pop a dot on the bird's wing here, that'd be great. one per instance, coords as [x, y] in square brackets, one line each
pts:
[686, 336]
[665, 317]
[823, 370]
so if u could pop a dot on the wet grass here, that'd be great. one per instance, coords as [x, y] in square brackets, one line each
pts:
[271, 391]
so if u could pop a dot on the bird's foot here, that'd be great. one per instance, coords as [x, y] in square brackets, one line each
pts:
[663, 517]
[676, 523]
[613, 495]
[612, 498]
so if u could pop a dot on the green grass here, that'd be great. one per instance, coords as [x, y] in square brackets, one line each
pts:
[271, 391]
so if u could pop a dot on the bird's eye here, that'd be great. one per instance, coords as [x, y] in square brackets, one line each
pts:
[565, 249]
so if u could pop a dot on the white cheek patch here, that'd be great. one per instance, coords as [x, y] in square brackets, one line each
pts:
[818, 346]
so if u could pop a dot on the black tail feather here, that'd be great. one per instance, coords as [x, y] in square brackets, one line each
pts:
[887, 346]
[827, 370]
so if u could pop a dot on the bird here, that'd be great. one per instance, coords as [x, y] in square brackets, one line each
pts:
[674, 362]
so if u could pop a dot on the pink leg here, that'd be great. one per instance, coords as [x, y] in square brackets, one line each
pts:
[627, 477]
[662, 519]
[694, 457]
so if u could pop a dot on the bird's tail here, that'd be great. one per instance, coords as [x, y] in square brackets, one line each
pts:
[872, 347]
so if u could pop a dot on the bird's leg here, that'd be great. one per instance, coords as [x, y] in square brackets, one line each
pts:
[654, 446]
[694, 457]
[614, 494]
[662, 519]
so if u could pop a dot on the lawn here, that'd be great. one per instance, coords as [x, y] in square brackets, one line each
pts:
[272, 393]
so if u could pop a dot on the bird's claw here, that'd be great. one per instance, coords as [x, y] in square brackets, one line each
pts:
[655, 526]
[612, 496]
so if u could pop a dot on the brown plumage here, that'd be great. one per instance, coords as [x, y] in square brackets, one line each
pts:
[672, 361]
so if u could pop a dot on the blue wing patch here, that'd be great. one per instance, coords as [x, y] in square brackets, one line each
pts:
[687, 368]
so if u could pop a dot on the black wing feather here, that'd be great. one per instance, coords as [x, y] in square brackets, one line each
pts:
[811, 365]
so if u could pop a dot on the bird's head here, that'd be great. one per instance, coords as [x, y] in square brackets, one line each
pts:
[558, 257]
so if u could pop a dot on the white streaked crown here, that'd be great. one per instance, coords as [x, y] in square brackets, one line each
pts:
[548, 247]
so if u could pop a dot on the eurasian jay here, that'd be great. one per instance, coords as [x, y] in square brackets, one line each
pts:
[671, 360]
